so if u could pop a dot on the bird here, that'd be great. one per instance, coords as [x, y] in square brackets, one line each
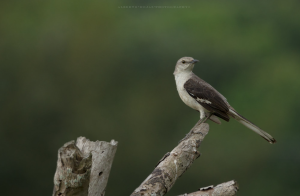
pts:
[201, 96]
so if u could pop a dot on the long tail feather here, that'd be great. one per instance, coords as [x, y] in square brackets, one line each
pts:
[251, 126]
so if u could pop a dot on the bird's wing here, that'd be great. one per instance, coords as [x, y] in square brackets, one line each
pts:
[208, 97]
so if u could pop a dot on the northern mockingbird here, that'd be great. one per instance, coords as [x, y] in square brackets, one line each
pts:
[201, 96]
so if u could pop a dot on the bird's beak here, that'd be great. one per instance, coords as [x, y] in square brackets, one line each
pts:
[195, 61]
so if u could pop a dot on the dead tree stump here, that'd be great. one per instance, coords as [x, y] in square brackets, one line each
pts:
[83, 167]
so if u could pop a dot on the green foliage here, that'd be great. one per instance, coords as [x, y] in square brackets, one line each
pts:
[89, 68]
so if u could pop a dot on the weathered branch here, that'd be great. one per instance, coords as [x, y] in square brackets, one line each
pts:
[173, 164]
[83, 167]
[225, 189]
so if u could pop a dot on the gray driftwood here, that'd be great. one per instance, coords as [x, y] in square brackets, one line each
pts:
[176, 162]
[225, 189]
[173, 164]
[83, 167]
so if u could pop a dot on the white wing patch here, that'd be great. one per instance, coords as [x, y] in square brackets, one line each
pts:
[203, 101]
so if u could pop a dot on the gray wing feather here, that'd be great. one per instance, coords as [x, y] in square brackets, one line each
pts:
[208, 97]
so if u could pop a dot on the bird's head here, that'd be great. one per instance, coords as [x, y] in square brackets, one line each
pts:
[185, 64]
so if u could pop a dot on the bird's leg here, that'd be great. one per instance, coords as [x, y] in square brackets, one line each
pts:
[202, 120]
[205, 119]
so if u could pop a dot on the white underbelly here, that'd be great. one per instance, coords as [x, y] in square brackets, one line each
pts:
[188, 100]
[185, 97]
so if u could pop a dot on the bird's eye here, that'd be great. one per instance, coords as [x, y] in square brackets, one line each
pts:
[183, 62]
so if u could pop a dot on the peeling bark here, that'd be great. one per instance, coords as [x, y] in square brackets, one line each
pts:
[173, 164]
[225, 189]
[83, 167]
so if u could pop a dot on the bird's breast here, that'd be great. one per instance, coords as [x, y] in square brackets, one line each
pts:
[185, 97]
[188, 100]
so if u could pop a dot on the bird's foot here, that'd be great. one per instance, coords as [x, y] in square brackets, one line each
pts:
[203, 120]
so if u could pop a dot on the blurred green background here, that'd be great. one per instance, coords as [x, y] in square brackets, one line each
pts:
[89, 68]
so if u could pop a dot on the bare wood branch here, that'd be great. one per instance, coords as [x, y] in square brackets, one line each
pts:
[83, 167]
[173, 164]
[225, 189]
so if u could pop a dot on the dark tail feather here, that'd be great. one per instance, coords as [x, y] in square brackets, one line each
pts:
[252, 126]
